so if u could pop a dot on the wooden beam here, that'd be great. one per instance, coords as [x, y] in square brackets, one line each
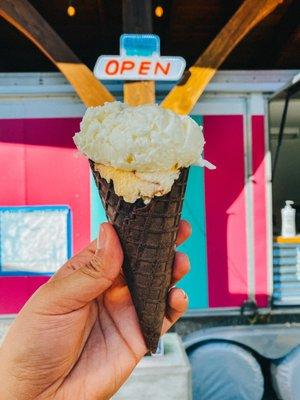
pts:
[183, 97]
[104, 28]
[137, 18]
[30, 23]
[140, 92]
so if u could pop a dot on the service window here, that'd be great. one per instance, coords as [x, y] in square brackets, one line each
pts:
[285, 149]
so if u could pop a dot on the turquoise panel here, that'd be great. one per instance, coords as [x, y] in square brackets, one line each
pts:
[97, 210]
[195, 283]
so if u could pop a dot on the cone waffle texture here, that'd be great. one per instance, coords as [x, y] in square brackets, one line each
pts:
[147, 234]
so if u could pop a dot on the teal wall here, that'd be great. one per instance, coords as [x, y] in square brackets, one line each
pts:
[97, 211]
[195, 283]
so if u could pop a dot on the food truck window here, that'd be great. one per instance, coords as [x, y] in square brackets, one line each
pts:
[285, 154]
[34, 239]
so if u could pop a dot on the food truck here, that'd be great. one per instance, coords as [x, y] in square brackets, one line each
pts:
[241, 331]
[244, 284]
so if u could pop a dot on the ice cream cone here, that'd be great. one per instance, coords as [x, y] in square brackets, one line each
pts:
[147, 234]
[140, 159]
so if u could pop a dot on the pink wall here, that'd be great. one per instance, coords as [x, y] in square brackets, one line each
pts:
[225, 211]
[259, 210]
[15, 291]
[40, 165]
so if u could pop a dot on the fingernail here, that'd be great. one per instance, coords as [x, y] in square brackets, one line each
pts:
[172, 287]
[101, 238]
[184, 294]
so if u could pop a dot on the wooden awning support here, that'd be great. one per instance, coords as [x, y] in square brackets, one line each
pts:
[137, 18]
[27, 20]
[183, 97]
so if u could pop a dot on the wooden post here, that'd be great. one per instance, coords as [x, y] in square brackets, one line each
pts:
[30, 23]
[186, 93]
[137, 18]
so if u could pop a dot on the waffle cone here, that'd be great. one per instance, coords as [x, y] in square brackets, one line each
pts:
[147, 234]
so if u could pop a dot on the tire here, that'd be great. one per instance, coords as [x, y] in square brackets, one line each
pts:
[225, 371]
[285, 375]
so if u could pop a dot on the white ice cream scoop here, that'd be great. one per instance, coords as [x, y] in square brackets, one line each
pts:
[146, 139]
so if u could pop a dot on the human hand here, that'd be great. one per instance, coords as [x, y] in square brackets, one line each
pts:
[78, 336]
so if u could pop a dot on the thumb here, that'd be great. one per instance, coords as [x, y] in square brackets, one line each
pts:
[95, 275]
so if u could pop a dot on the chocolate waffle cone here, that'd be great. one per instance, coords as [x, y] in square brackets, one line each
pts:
[147, 234]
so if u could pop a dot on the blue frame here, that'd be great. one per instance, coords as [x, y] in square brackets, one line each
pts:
[40, 208]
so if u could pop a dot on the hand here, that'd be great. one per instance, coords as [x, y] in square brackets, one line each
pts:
[78, 336]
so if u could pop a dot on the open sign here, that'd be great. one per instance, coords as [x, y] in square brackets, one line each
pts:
[135, 68]
[139, 59]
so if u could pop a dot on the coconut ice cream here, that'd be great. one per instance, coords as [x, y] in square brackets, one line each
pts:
[141, 149]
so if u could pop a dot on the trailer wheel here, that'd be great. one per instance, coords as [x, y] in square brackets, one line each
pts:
[286, 376]
[225, 371]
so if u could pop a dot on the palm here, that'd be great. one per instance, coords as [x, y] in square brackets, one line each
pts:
[113, 346]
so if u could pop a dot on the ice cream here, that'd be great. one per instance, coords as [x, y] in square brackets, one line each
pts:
[142, 153]
[141, 149]
[132, 185]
